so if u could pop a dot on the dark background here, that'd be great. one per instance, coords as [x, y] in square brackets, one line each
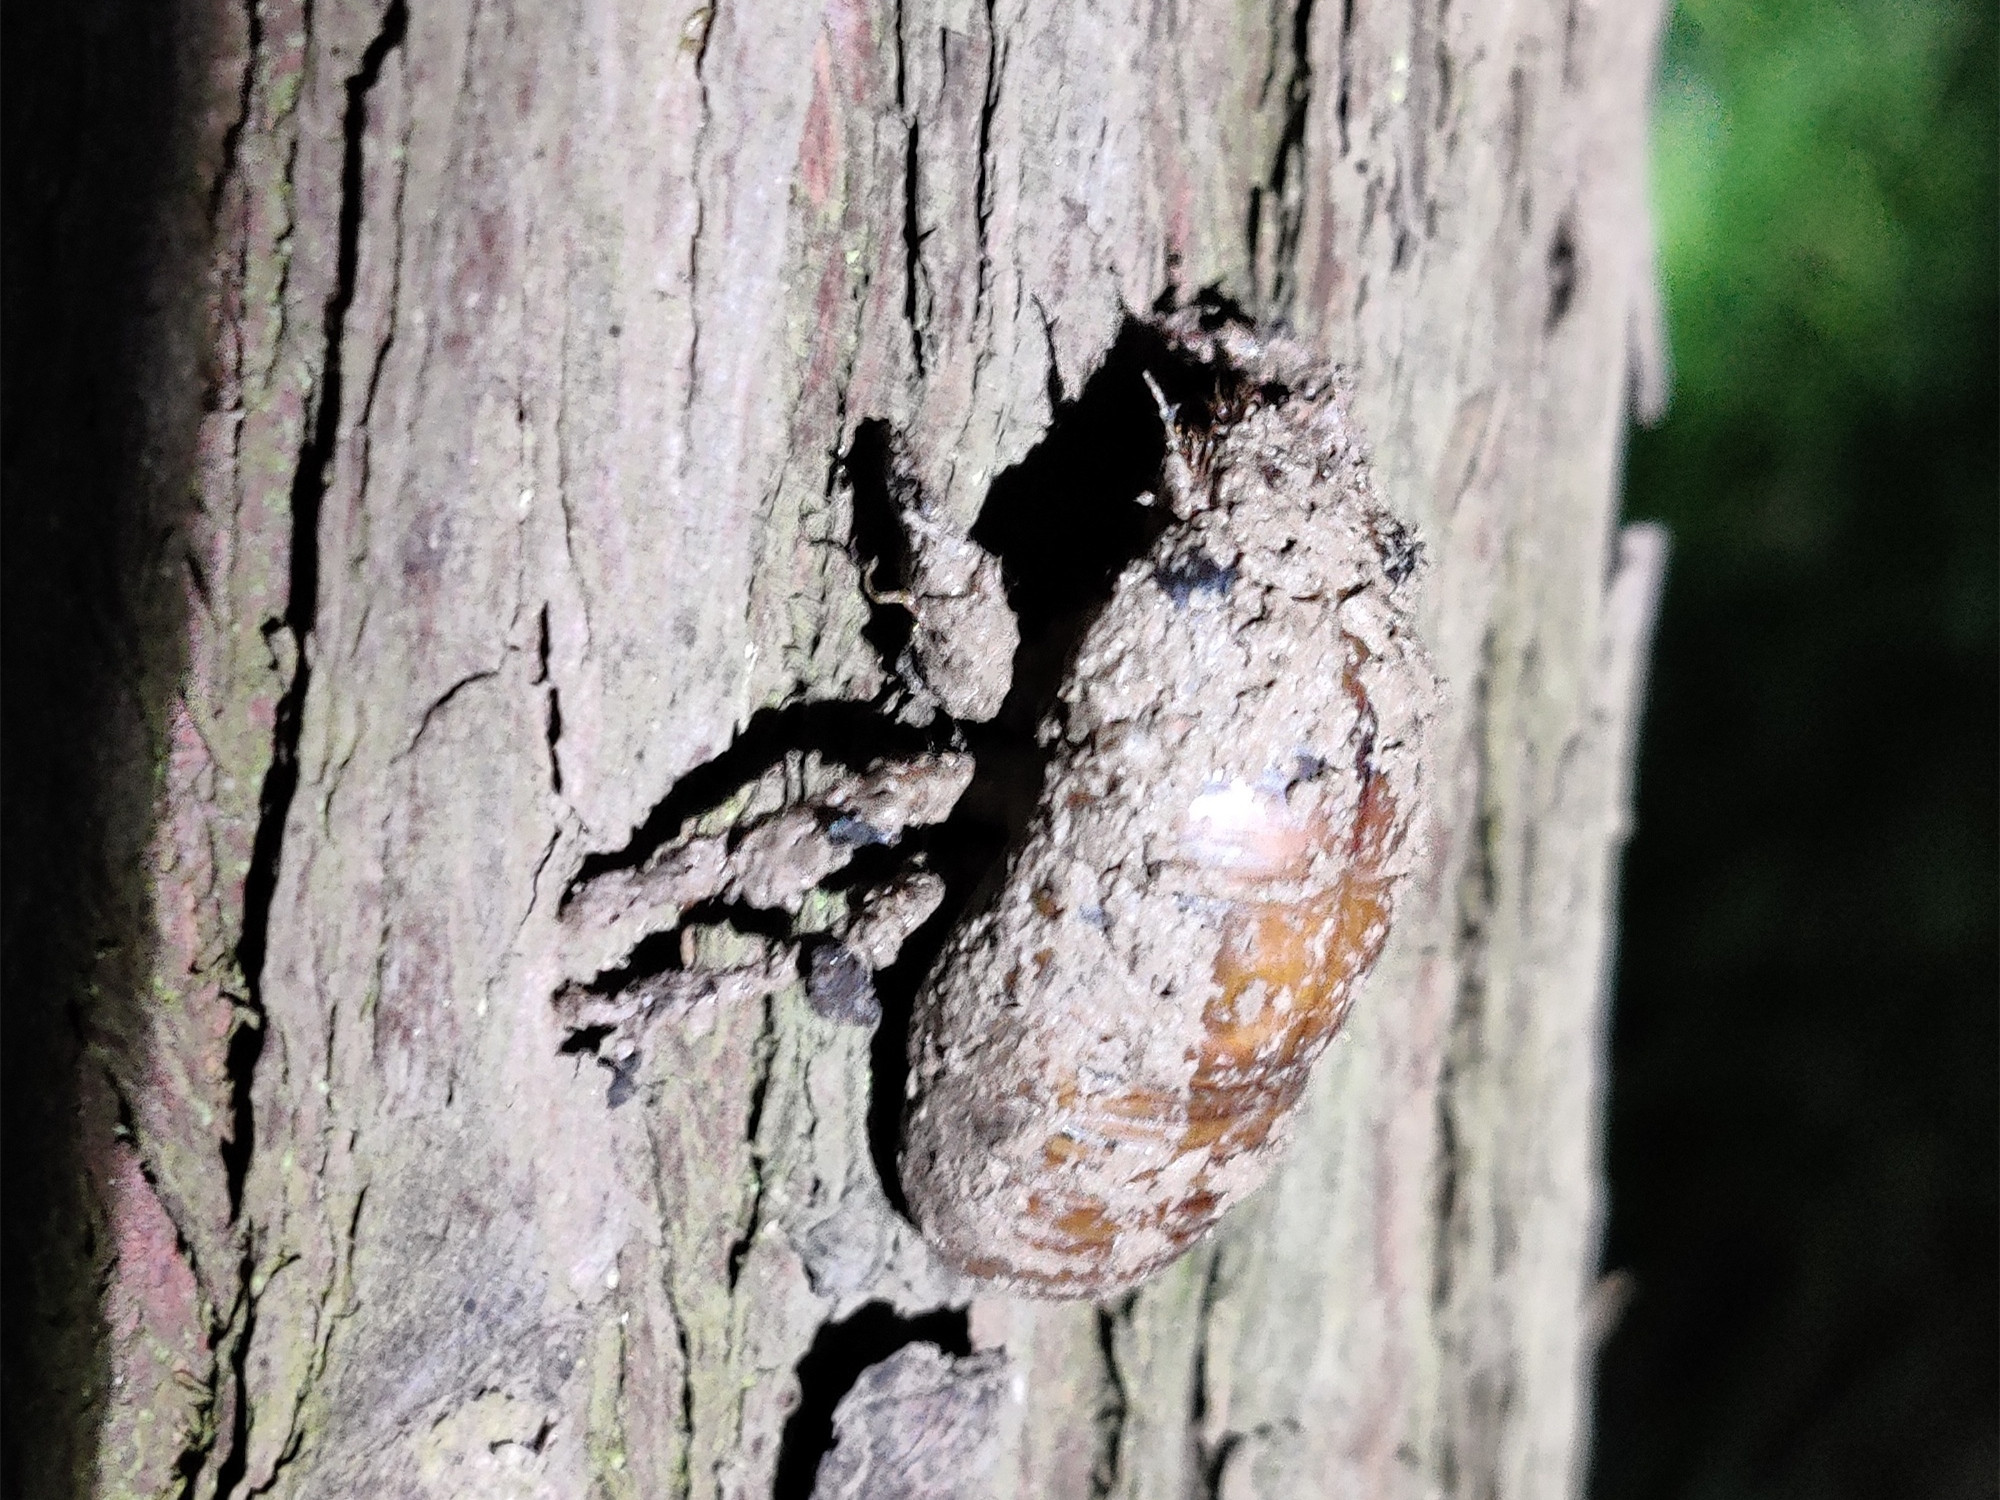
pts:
[1803, 1106]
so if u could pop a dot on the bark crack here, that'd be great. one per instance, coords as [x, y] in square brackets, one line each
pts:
[982, 184]
[246, 93]
[234, 1463]
[684, 1405]
[443, 701]
[1115, 1403]
[309, 483]
[1345, 96]
[563, 499]
[1478, 891]
[397, 160]
[1284, 188]
[552, 720]
[763, 1053]
[700, 157]
[914, 281]
[1210, 1456]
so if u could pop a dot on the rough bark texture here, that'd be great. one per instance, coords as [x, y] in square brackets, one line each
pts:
[490, 410]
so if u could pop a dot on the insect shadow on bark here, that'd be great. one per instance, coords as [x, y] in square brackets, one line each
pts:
[838, 1355]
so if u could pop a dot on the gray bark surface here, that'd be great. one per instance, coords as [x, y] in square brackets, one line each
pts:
[532, 338]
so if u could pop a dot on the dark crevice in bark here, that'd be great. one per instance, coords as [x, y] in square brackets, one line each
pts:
[308, 490]
[1477, 890]
[552, 721]
[902, 62]
[1571, 22]
[128, 1130]
[838, 1355]
[982, 183]
[913, 249]
[281, 780]
[763, 1053]
[1209, 1457]
[444, 701]
[1214, 1459]
[913, 258]
[913, 252]
[398, 159]
[913, 237]
[1446, 69]
[1344, 98]
[1253, 232]
[1563, 273]
[1281, 198]
[686, 1403]
[1115, 1403]
[1215, 1462]
[246, 93]
[229, 1474]
[699, 157]
[199, 580]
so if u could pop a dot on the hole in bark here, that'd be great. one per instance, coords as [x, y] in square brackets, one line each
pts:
[831, 1366]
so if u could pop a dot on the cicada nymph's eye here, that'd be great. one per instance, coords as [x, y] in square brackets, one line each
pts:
[1109, 1055]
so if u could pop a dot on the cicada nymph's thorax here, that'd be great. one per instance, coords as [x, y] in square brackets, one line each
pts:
[1110, 1054]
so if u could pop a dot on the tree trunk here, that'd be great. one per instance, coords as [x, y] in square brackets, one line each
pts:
[486, 459]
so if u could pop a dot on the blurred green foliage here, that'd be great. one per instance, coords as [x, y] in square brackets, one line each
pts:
[1803, 1123]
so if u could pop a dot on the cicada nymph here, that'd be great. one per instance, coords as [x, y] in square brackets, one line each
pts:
[1110, 1054]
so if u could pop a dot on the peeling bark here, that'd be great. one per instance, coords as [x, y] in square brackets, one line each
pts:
[492, 481]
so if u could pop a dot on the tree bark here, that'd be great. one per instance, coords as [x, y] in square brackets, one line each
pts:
[491, 445]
